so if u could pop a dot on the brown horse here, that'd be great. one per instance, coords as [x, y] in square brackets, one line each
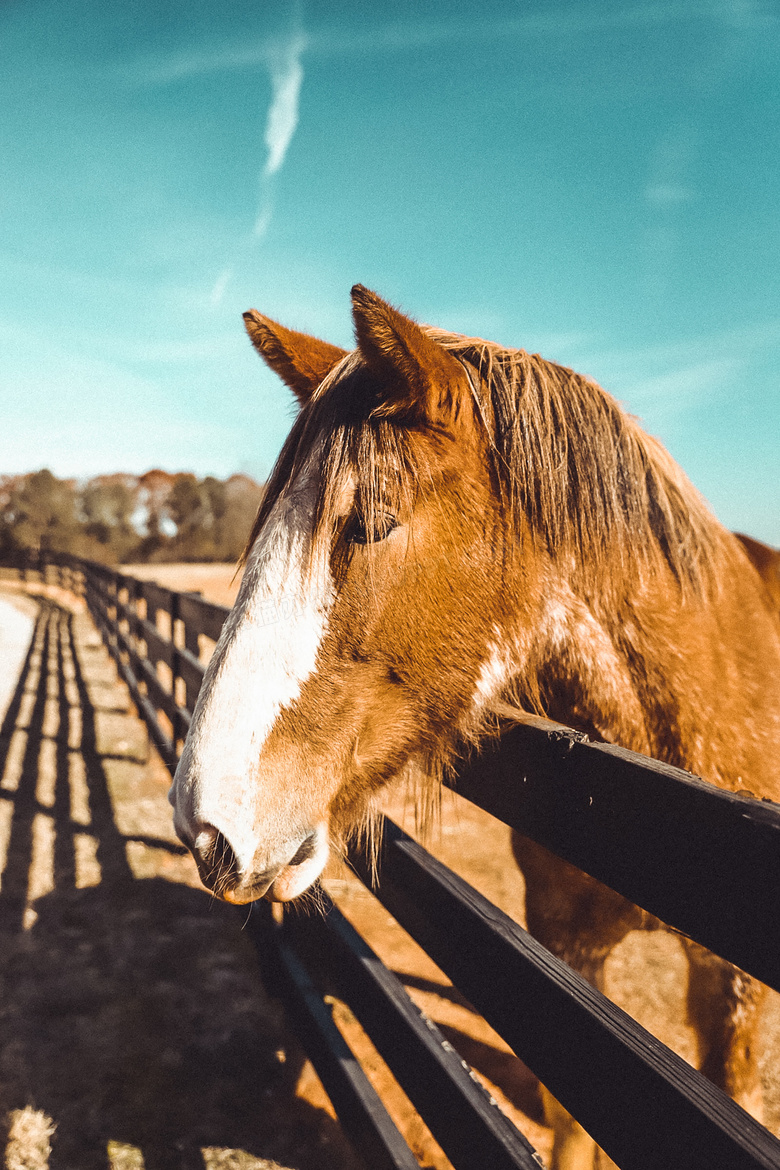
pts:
[455, 529]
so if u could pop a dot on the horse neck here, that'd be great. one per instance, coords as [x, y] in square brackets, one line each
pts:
[612, 647]
[575, 659]
[691, 678]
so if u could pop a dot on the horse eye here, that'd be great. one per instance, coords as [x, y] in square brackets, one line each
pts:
[357, 531]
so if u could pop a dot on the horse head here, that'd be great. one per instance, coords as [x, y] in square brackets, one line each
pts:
[366, 628]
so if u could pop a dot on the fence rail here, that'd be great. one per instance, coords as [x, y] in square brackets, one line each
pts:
[704, 861]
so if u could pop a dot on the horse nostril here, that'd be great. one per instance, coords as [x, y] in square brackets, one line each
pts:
[215, 858]
[305, 851]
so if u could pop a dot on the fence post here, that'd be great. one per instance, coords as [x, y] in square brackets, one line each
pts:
[179, 726]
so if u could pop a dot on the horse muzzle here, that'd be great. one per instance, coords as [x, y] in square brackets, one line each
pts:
[280, 881]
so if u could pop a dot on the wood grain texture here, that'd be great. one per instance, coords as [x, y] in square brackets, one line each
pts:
[705, 861]
[644, 1105]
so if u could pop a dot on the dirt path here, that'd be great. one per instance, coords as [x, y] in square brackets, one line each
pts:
[17, 621]
[134, 1031]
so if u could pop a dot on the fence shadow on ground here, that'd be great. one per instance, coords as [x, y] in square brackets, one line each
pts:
[132, 1013]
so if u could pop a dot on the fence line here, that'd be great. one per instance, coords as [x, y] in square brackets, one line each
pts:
[621, 817]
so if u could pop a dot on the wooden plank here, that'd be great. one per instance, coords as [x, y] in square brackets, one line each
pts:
[126, 612]
[360, 1111]
[187, 666]
[158, 695]
[204, 616]
[116, 641]
[705, 861]
[643, 1104]
[98, 608]
[156, 597]
[131, 584]
[159, 648]
[97, 572]
[143, 670]
[461, 1115]
[162, 742]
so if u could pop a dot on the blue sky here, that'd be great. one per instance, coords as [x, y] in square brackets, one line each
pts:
[597, 181]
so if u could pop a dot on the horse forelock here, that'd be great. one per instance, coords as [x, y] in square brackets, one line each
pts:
[367, 461]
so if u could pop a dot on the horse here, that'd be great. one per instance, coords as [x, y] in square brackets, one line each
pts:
[455, 530]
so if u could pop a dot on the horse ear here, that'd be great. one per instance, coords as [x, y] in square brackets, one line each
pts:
[425, 381]
[300, 360]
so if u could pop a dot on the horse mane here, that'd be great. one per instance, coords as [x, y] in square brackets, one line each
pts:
[595, 490]
[594, 487]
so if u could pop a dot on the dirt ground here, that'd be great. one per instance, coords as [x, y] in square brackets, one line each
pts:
[134, 1029]
[135, 1021]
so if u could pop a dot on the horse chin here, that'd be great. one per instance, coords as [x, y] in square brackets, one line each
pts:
[295, 879]
[289, 883]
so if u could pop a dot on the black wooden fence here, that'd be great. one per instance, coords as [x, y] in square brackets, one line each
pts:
[704, 861]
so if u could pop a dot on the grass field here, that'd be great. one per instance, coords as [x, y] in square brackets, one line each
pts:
[217, 582]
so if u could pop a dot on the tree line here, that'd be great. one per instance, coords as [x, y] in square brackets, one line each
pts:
[122, 518]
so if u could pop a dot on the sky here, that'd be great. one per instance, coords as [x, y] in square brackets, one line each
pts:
[597, 181]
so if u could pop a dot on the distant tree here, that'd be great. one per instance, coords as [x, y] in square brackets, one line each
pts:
[185, 508]
[212, 517]
[9, 487]
[108, 504]
[155, 519]
[242, 499]
[215, 503]
[40, 513]
[117, 518]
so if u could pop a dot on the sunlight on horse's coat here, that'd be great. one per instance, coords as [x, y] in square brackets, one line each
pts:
[493, 677]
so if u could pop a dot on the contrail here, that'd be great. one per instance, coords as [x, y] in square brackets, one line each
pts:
[283, 62]
[286, 78]
[286, 71]
[220, 285]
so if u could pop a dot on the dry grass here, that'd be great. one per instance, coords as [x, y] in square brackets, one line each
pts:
[29, 1140]
[217, 582]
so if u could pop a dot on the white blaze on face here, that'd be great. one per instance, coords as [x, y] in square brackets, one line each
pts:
[267, 649]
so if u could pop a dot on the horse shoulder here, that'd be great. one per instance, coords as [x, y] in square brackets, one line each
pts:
[585, 677]
[691, 680]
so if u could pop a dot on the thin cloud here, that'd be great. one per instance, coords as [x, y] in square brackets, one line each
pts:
[286, 80]
[666, 380]
[402, 36]
[668, 194]
[160, 71]
[746, 340]
[220, 287]
[286, 68]
[685, 383]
